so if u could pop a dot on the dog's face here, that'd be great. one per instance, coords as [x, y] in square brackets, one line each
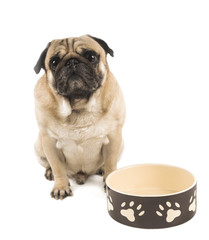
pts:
[75, 67]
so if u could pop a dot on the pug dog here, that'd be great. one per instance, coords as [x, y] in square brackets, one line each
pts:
[80, 112]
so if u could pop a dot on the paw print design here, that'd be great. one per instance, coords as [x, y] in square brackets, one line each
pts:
[192, 206]
[171, 213]
[129, 213]
[109, 204]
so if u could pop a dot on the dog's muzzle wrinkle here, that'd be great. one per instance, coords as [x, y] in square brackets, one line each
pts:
[76, 79]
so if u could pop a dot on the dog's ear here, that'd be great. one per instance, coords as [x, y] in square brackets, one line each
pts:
[104, 45]
[40, 63]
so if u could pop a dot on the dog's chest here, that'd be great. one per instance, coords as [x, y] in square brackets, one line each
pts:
[81, 141]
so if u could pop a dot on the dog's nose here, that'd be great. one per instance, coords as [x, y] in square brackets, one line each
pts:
[72, 62]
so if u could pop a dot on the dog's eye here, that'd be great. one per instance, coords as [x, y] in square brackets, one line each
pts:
[54, 62]
[91, 56]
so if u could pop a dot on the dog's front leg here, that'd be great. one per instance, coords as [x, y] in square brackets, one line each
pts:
[57, 162]
[112, 151]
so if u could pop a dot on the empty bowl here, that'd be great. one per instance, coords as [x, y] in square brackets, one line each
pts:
[151, 195]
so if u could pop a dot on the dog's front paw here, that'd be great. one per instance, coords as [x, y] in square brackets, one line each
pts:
[61, 190]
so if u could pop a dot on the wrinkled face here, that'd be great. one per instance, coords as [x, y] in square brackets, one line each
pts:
[75, 67]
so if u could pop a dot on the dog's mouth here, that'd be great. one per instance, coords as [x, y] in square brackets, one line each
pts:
[77, 82]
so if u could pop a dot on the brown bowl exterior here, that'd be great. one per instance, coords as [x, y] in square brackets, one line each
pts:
[152, 211]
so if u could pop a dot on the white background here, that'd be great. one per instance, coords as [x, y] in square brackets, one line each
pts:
[162, 64]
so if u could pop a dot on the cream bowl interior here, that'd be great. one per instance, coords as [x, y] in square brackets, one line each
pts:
[150, 180]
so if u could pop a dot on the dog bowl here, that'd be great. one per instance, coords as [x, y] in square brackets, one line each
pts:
[151, 195]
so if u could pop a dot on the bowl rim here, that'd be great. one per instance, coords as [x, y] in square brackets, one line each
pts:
[150, 164]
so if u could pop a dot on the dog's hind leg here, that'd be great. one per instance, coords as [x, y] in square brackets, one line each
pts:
[43, 160]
